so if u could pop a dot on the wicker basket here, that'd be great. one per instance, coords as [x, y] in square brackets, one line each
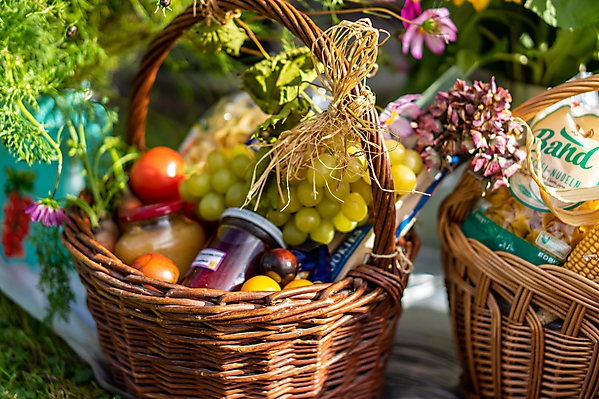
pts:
[325, 341]
[509, 353]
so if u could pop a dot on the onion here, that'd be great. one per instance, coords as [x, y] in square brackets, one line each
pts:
[107, 234]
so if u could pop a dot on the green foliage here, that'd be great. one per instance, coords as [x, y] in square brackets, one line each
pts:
[214, 38]
[512, 42]
[275, 85]
[48, 45]
[55, 265]
[35, 363]
[20, 181]
[276, 81]
[290, 115]
[566, 13]
[36, 56]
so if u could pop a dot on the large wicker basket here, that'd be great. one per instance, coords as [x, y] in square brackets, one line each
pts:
[326, 340]
[509, 354]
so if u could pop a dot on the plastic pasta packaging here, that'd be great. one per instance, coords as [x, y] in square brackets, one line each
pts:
[231, 122]
[516, 219]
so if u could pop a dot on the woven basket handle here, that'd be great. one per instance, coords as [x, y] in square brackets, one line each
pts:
[303, 28]
[532, 106]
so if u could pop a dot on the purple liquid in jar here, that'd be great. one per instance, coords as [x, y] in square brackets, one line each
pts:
[233, 253]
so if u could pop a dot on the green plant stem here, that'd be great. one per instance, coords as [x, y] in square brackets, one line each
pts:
[92, 178]
[49, 139]
[367, 10]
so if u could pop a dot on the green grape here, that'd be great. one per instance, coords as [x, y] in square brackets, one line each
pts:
[364, 189]
[366, 178]
[306, 194]
[240, 165]
[292, 235]
[211, 207]
[354, 207]
[296, 182]
[240, 149]
[307, 219]
[278, 218]
[290, 203]
[300, 176]
[184, 192]
[358, 153]
[222, 179]
[324, 233]
[336, 143]
[404, 179]
[353, 171]
[327, 208]
[199, 184]
[397, 151]
[236, 195]
[343, 224]
[365, 220]
[217, 160]
[258, 165]
[413, 160]
[323, 170]
[338, 190]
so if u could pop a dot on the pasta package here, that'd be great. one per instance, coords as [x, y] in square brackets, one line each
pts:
[516, 219]
[229, 123]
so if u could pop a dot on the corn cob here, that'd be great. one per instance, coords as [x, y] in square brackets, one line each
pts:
[584, 259]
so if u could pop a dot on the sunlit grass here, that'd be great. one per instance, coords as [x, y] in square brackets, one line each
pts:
[36, 363]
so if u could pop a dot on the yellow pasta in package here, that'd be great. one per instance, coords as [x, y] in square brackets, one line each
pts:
[515, 219]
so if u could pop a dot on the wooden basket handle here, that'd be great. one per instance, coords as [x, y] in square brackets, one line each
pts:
[303, 28]
[534, 105]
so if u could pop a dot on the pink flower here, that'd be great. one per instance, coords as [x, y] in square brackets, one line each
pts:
[433, 27]
[48, 212]
[479, 162]
[411, 9]
[395, 115]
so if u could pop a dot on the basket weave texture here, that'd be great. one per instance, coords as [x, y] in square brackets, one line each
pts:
[322, 341]
[503, 348]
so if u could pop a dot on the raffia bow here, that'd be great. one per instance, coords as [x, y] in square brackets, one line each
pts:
[349, 56]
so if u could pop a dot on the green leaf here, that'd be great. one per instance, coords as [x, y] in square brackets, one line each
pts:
[214, 38]
[290, 115]
[55, 265]
[570, 49]
[274, 82]
[466, 59]
[566, 13]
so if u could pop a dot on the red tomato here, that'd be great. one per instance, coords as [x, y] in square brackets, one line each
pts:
[156, 175]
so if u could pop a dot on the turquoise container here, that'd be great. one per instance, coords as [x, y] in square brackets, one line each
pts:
[72, 182]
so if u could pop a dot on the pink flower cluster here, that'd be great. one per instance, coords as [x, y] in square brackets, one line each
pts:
[473, 120]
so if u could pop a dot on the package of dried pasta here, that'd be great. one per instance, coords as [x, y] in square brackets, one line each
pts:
[229, 123]
[565, 155]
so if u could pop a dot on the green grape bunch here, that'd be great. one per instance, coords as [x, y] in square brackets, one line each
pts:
[329, 199]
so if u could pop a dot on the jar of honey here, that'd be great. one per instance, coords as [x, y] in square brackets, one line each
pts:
[160, 228]
[233, 253]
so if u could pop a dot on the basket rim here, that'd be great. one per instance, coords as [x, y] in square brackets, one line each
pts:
[342, 296]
